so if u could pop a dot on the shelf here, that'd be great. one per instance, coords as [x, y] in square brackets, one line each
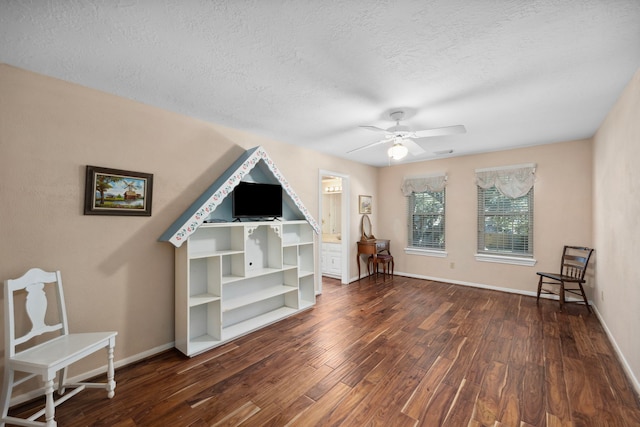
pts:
[296, 233]
[306, 304]
[202, 299]
[263, 294]
[202, 343]
[296, 243]
[250, 274]
[209, 254]
[257, 322]
[303, 273]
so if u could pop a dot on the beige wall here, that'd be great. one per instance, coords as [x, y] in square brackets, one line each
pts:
[616, 207]
[562, 213]
[117, 276]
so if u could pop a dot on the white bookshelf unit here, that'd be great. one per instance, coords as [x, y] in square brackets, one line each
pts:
[235, 277]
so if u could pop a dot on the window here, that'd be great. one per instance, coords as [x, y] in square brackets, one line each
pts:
[426, 220]
[505, 211]
[505, 225]
[425, 214]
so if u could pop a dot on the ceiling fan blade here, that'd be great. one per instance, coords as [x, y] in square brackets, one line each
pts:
[413, 148]
[376, 129]
[373, 144]
[447, 130]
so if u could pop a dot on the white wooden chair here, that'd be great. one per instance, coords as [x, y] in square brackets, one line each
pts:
[46, 358]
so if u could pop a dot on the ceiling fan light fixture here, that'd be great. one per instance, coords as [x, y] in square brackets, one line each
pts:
[397, 151]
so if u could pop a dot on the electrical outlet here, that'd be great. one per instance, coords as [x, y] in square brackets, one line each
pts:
[602, 295]
[452, 265]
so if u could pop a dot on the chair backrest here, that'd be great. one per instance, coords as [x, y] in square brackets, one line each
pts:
[574, 261]
[35, 306]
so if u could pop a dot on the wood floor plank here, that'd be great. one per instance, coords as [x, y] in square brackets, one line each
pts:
[404, 352]
[285, 416]
[385, 398]
[434, 317]
[388, 363]
[532, 393]
[535, 342]
[316, 391]
[284, 391]
[509, 406]
[238, 416]
[363, 369]
[439, 406]
[461, 361]
[557, 400]
[461, 411]
[418, 401]
[585, 401]
[352, 399]
[487, 403]
[320, 411]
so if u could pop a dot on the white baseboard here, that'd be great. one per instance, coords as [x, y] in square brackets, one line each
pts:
[34, 394]
[483, 286]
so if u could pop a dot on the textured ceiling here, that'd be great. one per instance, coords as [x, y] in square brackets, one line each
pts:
[308, 72]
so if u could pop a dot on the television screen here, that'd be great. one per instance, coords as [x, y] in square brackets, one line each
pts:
[254, 200]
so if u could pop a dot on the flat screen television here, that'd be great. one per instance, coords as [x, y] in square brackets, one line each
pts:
[256, 200]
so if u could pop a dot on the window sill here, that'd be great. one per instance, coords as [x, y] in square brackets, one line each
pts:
[503, 259]
[426, 252]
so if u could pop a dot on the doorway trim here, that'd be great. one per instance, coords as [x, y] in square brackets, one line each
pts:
[344, 229]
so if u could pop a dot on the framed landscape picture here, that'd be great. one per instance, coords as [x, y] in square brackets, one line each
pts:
[117, 192]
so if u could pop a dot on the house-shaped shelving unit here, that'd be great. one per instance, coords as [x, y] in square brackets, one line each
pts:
[235, 277]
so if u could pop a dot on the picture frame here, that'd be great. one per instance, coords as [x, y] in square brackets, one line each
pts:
[364, 204]
[117, 192]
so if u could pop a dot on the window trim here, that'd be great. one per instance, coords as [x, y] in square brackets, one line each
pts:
[506, 257]
[415, 250]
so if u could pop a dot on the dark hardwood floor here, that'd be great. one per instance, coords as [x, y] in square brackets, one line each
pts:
[407, 352]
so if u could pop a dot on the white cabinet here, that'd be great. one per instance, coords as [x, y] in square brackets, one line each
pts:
[332, 259]
[233, 278]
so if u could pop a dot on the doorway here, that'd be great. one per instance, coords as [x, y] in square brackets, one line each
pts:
[334, 214]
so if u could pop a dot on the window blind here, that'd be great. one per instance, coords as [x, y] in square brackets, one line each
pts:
[505, 225]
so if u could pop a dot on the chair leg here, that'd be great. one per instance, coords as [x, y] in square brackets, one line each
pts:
[584, 297]
[62, 380]
[7, 388]
[111, 383]
[50, 408]
[561, 296]
[539, 289]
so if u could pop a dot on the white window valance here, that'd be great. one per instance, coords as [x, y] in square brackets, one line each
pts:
[511, 181]
[424, 183]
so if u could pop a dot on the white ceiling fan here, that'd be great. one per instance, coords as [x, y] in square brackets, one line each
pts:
[402, 137]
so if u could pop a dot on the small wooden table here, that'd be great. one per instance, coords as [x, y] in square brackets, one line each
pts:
[371, 247]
